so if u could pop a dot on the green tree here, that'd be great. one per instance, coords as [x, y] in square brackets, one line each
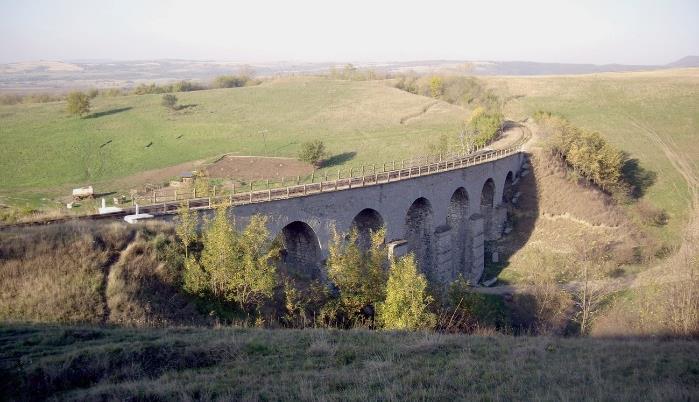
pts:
[186, 228]
[78, 104]
[359, 275]
[169, 101]
[254, 278]
[220, 255]
[313, 152]
[194, 279]
[406, 298]
[234, 267]
[436, 87]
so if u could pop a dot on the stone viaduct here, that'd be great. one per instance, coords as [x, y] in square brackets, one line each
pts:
[444, 218]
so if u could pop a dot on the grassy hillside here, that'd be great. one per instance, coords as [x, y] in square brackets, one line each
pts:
[639, 112]
[249, 364]
[43, 150]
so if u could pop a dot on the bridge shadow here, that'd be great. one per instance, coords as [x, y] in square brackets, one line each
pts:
[108, 112]
[339, 159]
[522, 215]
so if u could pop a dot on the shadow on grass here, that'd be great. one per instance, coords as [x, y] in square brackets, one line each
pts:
[637, 177]
[184, 107]
[108, 112]
[338, 159]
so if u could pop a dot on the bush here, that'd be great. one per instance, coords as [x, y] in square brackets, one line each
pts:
[359, 275]
[406, 298]
[78, 104]
[587, 153]
[230, 81]
[169, 101]
[313, 152]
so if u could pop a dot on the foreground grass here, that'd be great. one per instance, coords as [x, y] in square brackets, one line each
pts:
[98, 363]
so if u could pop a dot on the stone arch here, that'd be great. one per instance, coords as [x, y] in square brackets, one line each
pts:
[419, 229]
[461, 239]
[300, 254]
[487, 207]
[366, 221]
[508, 188]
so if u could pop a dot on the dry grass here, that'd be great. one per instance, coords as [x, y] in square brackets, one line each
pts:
[557, 219]
[91, 273]
[237, 364]
[56, 274]
[143, 291]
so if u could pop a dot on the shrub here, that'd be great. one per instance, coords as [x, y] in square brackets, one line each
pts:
[78, 104]
[233, 267]
[230, 81]
[169, 101]
[406, 298]
[359, 275]
[313, 152]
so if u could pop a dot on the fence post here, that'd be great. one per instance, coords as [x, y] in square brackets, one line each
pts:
[251, 197]
[269, 195]
[251, 186]
[155, 197]
[335, 185]
[304, 188]
[287, 192]
[313, 176]
[352, 170]
[175, 195]
[394, 165]
[338, 174]
[267, 183]
[230, 199]
[298, 180]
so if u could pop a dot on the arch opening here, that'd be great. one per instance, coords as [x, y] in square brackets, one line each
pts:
[487, 206]
[365, 222]
[419, 231]
[461, 242]
[300, 254]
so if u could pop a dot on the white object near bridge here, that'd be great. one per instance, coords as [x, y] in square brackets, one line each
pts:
[83, 192]
[137, 217]
[104, 209]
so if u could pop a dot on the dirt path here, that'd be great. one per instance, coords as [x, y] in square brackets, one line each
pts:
[113, 259]
[425, 109]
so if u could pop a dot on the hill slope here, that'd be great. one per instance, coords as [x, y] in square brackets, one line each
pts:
[43, 149]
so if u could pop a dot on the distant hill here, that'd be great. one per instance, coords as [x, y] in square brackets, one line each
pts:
[689, 61]
[46, 75]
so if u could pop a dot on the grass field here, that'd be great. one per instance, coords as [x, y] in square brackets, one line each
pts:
[634, 111]
[45, 152]
[247, 364]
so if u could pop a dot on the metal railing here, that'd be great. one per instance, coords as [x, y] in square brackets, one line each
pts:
[301, 190]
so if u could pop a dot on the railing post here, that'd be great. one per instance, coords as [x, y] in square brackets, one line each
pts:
[251, 197]
[335, 185]
[269, 195]
[304, 188]
[287, 192]
[230, 199]
[313, 176]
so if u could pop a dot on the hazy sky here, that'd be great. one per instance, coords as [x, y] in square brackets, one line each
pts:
[611, 31]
